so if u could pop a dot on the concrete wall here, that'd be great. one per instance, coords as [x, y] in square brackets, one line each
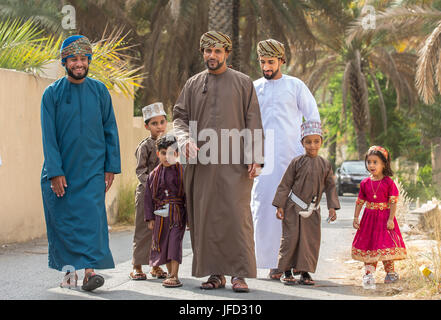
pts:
[21, 153]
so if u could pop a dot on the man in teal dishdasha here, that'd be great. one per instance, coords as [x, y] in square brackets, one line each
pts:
[81, 156]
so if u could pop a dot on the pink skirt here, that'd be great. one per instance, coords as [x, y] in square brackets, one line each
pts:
[374, 242]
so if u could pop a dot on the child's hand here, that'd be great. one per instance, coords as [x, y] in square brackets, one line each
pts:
[332, 215]
[280, 214]
[356, 223]
[151, 224]
[390, 225]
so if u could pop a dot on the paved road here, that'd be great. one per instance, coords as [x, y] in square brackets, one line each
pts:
[24, 273]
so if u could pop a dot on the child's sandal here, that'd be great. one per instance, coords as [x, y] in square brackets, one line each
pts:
[391, 277]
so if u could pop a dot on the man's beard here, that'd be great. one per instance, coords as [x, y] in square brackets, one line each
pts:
[219, 65]
[71, 74]
[273, 74]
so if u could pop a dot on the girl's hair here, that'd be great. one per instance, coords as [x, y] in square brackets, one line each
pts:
[384, 155]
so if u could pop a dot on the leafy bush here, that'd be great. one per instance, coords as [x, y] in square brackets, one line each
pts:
[423, 187]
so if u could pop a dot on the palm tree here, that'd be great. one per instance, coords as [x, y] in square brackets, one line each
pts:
[411, 22]
[167, 35]
[359, 58]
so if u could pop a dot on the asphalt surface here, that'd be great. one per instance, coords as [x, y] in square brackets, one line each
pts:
[24, 273]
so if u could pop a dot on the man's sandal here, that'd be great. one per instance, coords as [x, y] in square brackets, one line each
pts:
[305, 279]
[275, 274]
[288, 281]
[92, 281]
[214, 282]
[172, 282]
[136, 275]
[239, 284]
[158, 273]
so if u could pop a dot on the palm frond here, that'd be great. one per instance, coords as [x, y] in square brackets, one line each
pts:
[112, 66]
[428, 58]
[397, 21]
[23, 48]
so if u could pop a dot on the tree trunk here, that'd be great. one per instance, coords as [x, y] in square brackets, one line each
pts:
[358, 94]
[223, 16]
[236, 43]
[436, 163]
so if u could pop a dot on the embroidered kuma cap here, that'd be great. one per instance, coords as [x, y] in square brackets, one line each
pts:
[153, 110]
[311, 127]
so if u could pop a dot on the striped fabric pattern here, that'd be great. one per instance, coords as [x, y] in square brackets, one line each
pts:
[271, 48]
[215, 39]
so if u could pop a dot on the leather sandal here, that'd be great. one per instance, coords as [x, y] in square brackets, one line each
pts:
[239, 284]
[214, 282]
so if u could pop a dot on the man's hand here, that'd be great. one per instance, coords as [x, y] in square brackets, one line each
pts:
[58, 184]
[191, 150]
[280, 214]
[254, 170]
[332, 215]
[108, 178]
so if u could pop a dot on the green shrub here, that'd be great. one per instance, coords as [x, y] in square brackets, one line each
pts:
[423, 187]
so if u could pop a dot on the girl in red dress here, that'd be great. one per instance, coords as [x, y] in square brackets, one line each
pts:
[378, 236]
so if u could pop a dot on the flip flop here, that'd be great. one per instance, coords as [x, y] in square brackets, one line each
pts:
[135, 275]
[172, 282]
[93, 281]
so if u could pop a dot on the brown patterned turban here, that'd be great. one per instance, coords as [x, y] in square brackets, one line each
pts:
[271, 49]
[215, 39]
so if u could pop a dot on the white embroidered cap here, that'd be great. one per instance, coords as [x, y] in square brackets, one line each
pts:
[153, 110]
[311, 127]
